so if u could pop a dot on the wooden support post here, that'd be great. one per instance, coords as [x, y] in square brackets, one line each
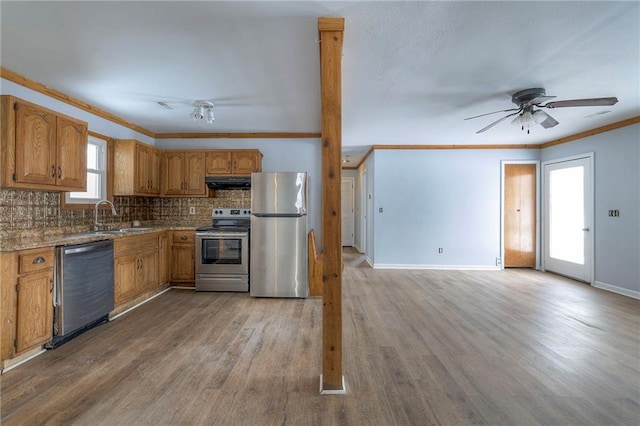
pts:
[330, 31]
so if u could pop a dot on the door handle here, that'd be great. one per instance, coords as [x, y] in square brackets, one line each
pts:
[585, 229]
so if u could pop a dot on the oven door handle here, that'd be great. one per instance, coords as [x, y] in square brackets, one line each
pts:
[223, 235]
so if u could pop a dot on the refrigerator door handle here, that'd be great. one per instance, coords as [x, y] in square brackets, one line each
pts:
[279, 215]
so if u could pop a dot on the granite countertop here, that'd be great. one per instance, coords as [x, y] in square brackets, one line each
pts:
[29, 238]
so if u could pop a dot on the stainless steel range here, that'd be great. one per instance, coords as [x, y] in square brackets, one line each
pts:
[222, 252]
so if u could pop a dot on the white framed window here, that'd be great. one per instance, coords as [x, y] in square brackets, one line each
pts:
[96, 174]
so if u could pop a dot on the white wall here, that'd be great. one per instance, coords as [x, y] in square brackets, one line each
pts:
[279, 155]
[434, 199]
[96, 124]
[617, 186]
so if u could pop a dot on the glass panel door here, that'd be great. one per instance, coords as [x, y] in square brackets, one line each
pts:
[568, 199]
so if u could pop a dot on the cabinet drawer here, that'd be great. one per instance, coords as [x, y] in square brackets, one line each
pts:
[35, 260]
[135, 244]
[184, 237]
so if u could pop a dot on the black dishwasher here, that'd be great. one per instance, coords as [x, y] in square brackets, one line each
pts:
[83, 294]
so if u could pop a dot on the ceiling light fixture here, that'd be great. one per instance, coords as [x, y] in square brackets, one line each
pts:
[346, 160]
[529, 118]
[203, 111]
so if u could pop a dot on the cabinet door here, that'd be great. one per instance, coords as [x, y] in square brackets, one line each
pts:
[142, 182]
[218, 163]
[148, 275]
[71, 162]
[245, 162]
[164, 258]
[125, 275]
[182, 262]
[34, 316]
[154, 171]
[35, 145]
[172, 173]
[194, 173]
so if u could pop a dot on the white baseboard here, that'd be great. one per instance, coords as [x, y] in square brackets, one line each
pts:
[615, 289]
[139, 304]
[369, 261]
[342, 391]
[441, 267]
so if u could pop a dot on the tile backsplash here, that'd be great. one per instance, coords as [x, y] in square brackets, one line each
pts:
[25, 209]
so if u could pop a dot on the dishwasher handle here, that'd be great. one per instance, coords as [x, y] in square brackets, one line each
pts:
[107, 244]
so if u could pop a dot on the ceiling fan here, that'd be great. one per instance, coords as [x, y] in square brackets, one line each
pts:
[529, 114]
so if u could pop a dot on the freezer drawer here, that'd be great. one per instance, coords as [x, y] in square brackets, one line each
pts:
[278, 262]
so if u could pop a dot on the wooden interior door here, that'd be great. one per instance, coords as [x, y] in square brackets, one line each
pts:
[520, 216]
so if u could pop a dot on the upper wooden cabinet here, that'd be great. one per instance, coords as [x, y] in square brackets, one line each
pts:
[183, 173]
[137, 168]
[42, 149]
[233, 162]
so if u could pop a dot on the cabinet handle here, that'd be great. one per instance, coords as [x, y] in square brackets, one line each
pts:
[53, 170]
[59, 172]
[38, 260]
[184, 237]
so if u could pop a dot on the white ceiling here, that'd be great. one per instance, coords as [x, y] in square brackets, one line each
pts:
[412, 71]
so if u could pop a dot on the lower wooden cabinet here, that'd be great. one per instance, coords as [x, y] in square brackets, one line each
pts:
[135, 266]
[164, 258]
[183, 258]
[27, 300]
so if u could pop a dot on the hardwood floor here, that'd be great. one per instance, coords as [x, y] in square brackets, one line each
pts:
[420, 347]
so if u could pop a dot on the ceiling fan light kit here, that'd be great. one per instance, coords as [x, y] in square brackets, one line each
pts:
[528, 116]
[203, 111]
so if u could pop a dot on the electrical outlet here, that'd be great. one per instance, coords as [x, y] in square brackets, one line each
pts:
[440, 250]
[192, 210]
[614, 213]
[498, 261]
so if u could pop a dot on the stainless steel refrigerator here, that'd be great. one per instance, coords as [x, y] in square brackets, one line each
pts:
[278, 261]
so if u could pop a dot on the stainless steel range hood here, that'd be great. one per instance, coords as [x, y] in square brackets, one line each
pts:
[228, 182]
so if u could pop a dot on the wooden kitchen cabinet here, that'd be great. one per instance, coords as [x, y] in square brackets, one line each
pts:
[233, 162]
[135, 266]
[137, 168]
[27, 300]
[164, 258]
[42, 149]
[183, 173]
[183, 257]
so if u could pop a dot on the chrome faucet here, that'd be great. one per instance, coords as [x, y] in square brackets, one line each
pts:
[96, 224]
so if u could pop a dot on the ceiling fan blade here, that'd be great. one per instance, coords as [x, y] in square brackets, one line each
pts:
[484, 129]
[547, 122]
[581, 102]
[494, 112]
